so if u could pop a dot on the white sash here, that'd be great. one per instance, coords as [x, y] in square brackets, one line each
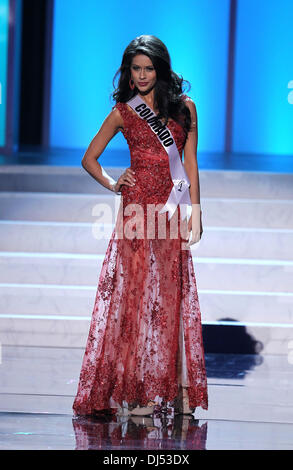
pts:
[180, 191]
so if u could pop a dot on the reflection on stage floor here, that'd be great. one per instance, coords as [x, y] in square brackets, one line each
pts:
[250, 407]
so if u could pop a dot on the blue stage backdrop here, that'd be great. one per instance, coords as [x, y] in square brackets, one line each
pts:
[90, 37]
[4, 17]
[89, 40]
[263, 115]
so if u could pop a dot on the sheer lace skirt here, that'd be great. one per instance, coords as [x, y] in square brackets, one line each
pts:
[145, 336]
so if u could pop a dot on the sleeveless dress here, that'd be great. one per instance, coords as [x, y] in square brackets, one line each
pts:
[145, 337]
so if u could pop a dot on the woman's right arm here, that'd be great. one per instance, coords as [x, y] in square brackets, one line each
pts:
[110, 127]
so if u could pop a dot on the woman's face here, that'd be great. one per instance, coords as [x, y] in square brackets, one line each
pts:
[143, 72]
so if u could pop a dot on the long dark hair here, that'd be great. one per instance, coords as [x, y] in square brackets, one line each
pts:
[168, 87]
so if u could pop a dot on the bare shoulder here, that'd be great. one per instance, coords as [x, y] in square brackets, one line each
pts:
[186, 98]
[188, 102]
[115, 118]
[191, 106]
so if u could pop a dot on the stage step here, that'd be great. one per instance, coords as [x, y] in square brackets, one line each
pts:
[64, 332]
[50, 259]
[213, 183]
[43, 299]
[85, 238]
[83, 270]
[217, 212]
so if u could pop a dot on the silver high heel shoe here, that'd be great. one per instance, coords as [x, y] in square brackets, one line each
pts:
[122, 411]
[144, 410]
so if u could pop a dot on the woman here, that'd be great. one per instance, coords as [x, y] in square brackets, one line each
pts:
[144, 350]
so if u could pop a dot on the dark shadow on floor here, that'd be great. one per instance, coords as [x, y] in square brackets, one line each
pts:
[230, 351]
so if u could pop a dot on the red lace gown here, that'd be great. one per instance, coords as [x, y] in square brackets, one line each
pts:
[145, 336]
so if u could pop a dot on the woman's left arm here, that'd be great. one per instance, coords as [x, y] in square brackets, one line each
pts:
[191, 168]
[190, 155]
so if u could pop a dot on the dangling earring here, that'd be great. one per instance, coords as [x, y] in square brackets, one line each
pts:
[131, 84]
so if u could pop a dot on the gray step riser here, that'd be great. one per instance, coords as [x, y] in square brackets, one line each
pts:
[73, 238]
[64, 333]
[79, 302]
[217, 187]
[85, 272]
[69, 361]
[79, 208]
[256, 407]
[213, 183]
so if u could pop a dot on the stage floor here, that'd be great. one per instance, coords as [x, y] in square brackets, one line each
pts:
[250, 407]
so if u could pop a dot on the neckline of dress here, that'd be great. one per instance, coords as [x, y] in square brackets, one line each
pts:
[135, 115]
